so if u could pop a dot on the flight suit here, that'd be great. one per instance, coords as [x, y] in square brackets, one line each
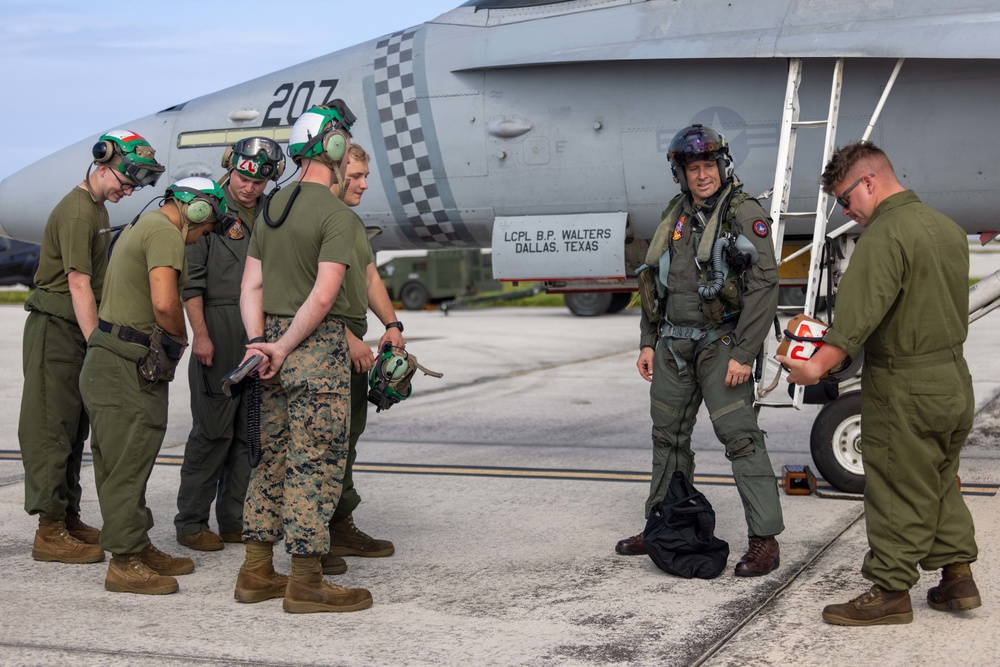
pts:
[128, 412]
[687, 371]
[53, 424]
[215, 465]
[917, 402]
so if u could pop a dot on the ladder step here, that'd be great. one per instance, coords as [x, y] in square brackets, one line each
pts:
[810, 123]
[798, 214]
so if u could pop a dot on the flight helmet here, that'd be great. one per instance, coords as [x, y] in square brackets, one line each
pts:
[130, 154]
[322, 132]
[258, 158]
[698, 142]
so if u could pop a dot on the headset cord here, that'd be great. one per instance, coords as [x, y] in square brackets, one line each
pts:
[253, 421]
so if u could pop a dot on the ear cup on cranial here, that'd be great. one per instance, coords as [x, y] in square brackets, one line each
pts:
[198, 211]
[103, 151]
[335, 145]
[227, 158]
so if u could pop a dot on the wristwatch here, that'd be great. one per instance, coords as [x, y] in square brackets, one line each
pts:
[395, 325]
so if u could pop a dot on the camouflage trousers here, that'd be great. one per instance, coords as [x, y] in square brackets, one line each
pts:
[305, 420]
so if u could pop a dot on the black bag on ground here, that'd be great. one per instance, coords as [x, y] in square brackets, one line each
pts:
[680, 533]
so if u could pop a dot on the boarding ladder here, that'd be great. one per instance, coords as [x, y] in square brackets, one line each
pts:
[780, 194]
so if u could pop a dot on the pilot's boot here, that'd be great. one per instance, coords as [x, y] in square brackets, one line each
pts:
[81, 531]
[54, 544]
[127, 573]
[309, 592]
[347, 540]
[762, 557]
[257, 580]
[877, 606]
[631, 546]
[957, 590]
[165, 564]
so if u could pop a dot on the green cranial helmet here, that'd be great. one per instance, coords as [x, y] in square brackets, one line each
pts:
[257, 158]
[312, 133]
[204, 199]
[130, 154]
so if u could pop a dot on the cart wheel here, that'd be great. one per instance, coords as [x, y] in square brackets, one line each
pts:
[414, 296]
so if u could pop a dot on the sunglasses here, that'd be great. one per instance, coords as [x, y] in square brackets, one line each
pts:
[844, 200]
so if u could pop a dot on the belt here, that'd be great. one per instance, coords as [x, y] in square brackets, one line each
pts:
[125, 333]
[916, 360]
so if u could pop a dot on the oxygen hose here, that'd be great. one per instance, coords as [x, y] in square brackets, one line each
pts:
[709, 292]
[253, 421]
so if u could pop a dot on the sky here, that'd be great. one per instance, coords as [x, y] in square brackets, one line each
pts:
[70, 68]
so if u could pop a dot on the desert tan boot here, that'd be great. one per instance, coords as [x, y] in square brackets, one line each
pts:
[333, 564]
[81, 531]
[54, 544]
[877, 606]
[347, 540]
[128, 574]
[957, 590]
[260, 584]
[165, 564]
[315, 594]
[203, 540]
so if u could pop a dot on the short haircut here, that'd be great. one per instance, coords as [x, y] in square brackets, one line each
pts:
[858, 155]
[358, 153]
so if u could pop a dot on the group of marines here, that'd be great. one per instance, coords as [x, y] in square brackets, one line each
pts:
[106, 328]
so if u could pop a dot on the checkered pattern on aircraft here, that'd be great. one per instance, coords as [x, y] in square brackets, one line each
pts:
[406, 145]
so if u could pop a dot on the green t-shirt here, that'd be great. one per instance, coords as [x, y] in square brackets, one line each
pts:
[352, 302]
[153, 241]
[73, 241]
[319, 228]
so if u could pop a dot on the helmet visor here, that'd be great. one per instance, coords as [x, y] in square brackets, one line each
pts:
[141, 172]
[251, 147]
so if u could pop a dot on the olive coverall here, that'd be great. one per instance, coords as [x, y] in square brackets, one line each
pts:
[905, 298]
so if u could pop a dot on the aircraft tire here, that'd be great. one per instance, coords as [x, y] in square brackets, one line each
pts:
[588, 304]
[414, 296]
[835, 443]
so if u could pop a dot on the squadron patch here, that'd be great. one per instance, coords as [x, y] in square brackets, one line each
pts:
[236, 231]
[760, 228]
[678, 229]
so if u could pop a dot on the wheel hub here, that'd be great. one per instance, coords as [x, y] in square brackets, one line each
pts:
[847, 445]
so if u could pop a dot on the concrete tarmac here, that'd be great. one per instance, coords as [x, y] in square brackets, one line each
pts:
[504, 486]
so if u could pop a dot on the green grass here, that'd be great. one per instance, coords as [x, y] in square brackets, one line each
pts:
[537, 301]
[14, 295]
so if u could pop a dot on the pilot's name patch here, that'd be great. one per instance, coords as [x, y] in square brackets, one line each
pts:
[760, 228]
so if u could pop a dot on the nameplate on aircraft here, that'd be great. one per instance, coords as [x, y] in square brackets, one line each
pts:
[546, 247]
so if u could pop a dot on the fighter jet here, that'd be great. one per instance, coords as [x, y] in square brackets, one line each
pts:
[540, 127]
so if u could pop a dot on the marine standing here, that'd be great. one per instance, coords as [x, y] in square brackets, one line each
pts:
[345, 538]
[292, 311]
[917, 403]
[713, 296]
[131, 357]
[215, 464]
[62, 312]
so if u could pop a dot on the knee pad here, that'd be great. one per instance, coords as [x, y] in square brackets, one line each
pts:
[740, 448]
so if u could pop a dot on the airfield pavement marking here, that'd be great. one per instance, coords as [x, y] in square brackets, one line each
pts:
[968, 489]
